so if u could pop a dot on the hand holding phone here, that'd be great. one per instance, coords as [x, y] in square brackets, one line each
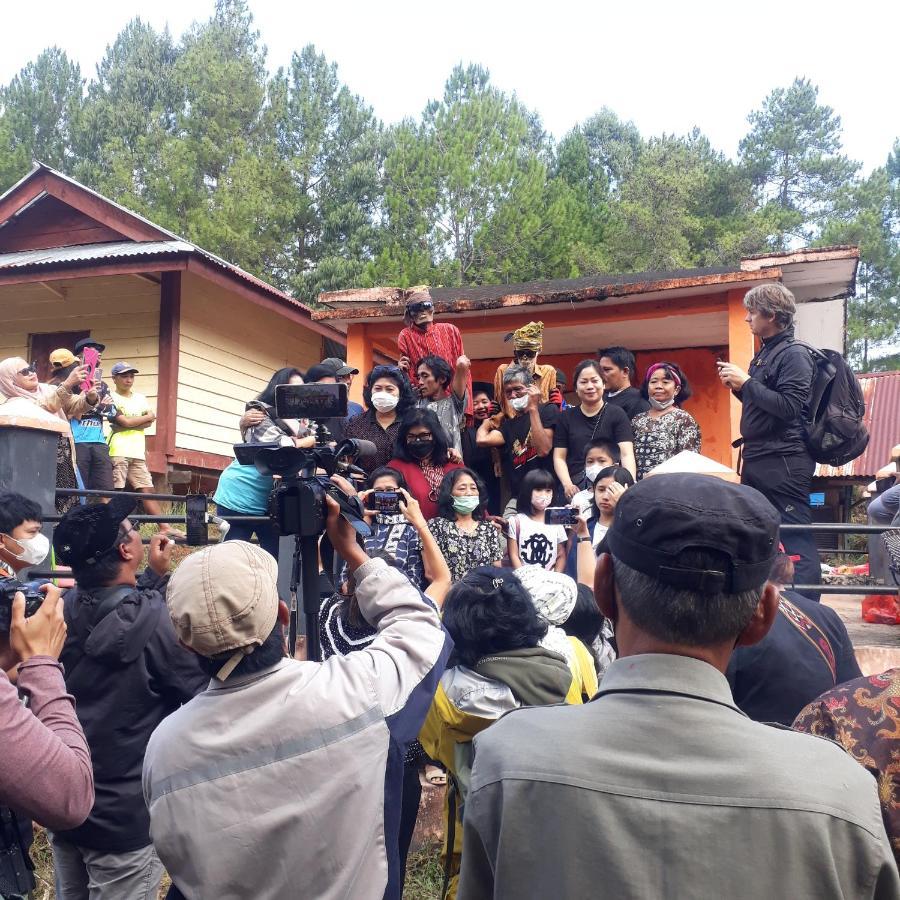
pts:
[560, 515]
[91, 358]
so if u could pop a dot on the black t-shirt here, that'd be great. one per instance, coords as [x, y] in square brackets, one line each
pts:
[630, 400]
[806, 652]
[575, 430]
[518, 454]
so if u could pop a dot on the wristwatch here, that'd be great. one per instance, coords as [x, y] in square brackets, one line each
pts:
[583, 538]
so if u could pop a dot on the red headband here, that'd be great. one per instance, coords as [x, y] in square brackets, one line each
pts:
[672, 373]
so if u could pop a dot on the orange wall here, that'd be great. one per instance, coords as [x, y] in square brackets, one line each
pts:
[709, 404]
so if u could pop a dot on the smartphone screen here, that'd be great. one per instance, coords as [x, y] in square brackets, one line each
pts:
[91, 358]
[384, 502]
[195, 520]
[560, 515]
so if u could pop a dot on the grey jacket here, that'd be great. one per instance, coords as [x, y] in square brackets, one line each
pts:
[661, 788]
[286, 783]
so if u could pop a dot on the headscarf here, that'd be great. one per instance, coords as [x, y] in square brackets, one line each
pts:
[43, 395]
[529, 337]
[669, 371]
[553, 593]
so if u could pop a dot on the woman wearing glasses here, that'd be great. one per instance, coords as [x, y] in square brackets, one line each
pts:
[19, 384]
[421, 455]
[388, 397]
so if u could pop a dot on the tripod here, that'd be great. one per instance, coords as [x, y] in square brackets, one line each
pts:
[306, 566]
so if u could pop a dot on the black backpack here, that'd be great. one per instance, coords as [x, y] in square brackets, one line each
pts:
[835, 433]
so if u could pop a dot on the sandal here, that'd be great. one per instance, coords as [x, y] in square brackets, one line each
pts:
[432, 776]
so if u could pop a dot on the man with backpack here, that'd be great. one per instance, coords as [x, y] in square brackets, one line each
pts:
[775, 394]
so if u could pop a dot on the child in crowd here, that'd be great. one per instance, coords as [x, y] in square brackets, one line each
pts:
[598, 454]
[530, 540]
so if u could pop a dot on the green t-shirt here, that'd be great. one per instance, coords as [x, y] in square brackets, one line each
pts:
[129, 442]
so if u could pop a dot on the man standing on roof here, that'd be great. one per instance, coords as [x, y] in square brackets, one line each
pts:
[775, 399]
[423, 337]
[528, 341]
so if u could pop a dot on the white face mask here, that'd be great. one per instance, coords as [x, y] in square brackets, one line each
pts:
[384, 402]
[541, 501]
[519, 403]
[661, 404]
[34, 550]
[591, 473]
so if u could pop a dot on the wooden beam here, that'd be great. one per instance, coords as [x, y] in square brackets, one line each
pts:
[96, 269]
[197, 460]
[22, 196]
[143, 276]
[169, 348]
[359, 355]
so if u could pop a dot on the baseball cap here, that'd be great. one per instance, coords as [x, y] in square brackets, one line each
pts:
[123, 368]
[224, 598]
[62, 359]
[661, 517]
[340, 366]
[89, 342]
[85, 533]
[318, 371]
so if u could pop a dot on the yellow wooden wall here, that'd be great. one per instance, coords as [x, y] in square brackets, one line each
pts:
[121, 311]
[229, 350]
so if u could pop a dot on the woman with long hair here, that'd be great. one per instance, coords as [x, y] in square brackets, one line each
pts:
[388, 397]
[421, 455]
[665, 429]
[463, 534]
[243, 490]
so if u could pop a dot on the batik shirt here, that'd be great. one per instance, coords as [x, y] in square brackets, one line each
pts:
[395, 537]
[863, 716]
[464, 550]
[657, 439]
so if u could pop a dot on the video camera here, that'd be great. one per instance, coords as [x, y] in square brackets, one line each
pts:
[8, 589]
[297, 504]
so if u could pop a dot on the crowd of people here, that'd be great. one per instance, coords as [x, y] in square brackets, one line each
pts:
[522, 559]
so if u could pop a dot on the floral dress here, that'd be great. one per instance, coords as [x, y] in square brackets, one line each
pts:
[465, 550]
[660, 438]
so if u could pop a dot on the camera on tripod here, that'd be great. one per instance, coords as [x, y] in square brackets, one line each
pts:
[297, 504]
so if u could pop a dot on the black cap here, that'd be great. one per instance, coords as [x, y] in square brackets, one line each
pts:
[483, 387]
[88, 342]
[85, 533]
[664, 515]
[317, 372]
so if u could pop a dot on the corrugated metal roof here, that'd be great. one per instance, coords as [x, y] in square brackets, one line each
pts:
[85, 252]
[881, 391]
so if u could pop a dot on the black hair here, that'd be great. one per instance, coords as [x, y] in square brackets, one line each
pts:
[267, 654]
[670, 369]
[535, 480]
[439, 367]
[482, 387]
[585, 620]
[16, 509]
[489, 612]
[106, 569]
[619, 356]
[58, 376]
[282, 376]
[619, 474]
[611, 448]
[387, 472]
[445, 496]
[585, 364]
[427, 419]
[407, 399]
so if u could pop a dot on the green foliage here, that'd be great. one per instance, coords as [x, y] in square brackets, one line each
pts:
[293, 177]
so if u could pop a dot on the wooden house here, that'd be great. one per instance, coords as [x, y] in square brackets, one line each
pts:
[691, 317]
[205, 335]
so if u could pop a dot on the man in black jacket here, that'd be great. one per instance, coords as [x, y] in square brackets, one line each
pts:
[775, 397]
[127, 672]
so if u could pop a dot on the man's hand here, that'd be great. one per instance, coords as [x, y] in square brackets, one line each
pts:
[534, 397]
[251, 418]
[76, 376]
[731, 376]
[454, 455]
[42, 634]
[160, 556]
[463, 363]
[410, 508]
[403, 364]
[342, 535]
[571, 490]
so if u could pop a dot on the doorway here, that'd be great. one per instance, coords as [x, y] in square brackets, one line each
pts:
[42, 345]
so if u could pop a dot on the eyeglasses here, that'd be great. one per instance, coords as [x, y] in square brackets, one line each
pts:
[28, 370]
[421, 306]
[526, 354]
[419, 438]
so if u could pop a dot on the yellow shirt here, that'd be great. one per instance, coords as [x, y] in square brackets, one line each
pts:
[129, 442]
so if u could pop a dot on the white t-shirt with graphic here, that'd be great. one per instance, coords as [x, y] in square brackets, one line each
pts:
[538, 543]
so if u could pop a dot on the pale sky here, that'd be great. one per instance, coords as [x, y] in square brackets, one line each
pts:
[666, 66]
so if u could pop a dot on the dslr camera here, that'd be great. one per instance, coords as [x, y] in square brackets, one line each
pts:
[297, 505]
[8, 589]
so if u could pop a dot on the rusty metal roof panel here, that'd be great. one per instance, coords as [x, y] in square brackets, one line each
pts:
[90, 252]
[881, 391]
